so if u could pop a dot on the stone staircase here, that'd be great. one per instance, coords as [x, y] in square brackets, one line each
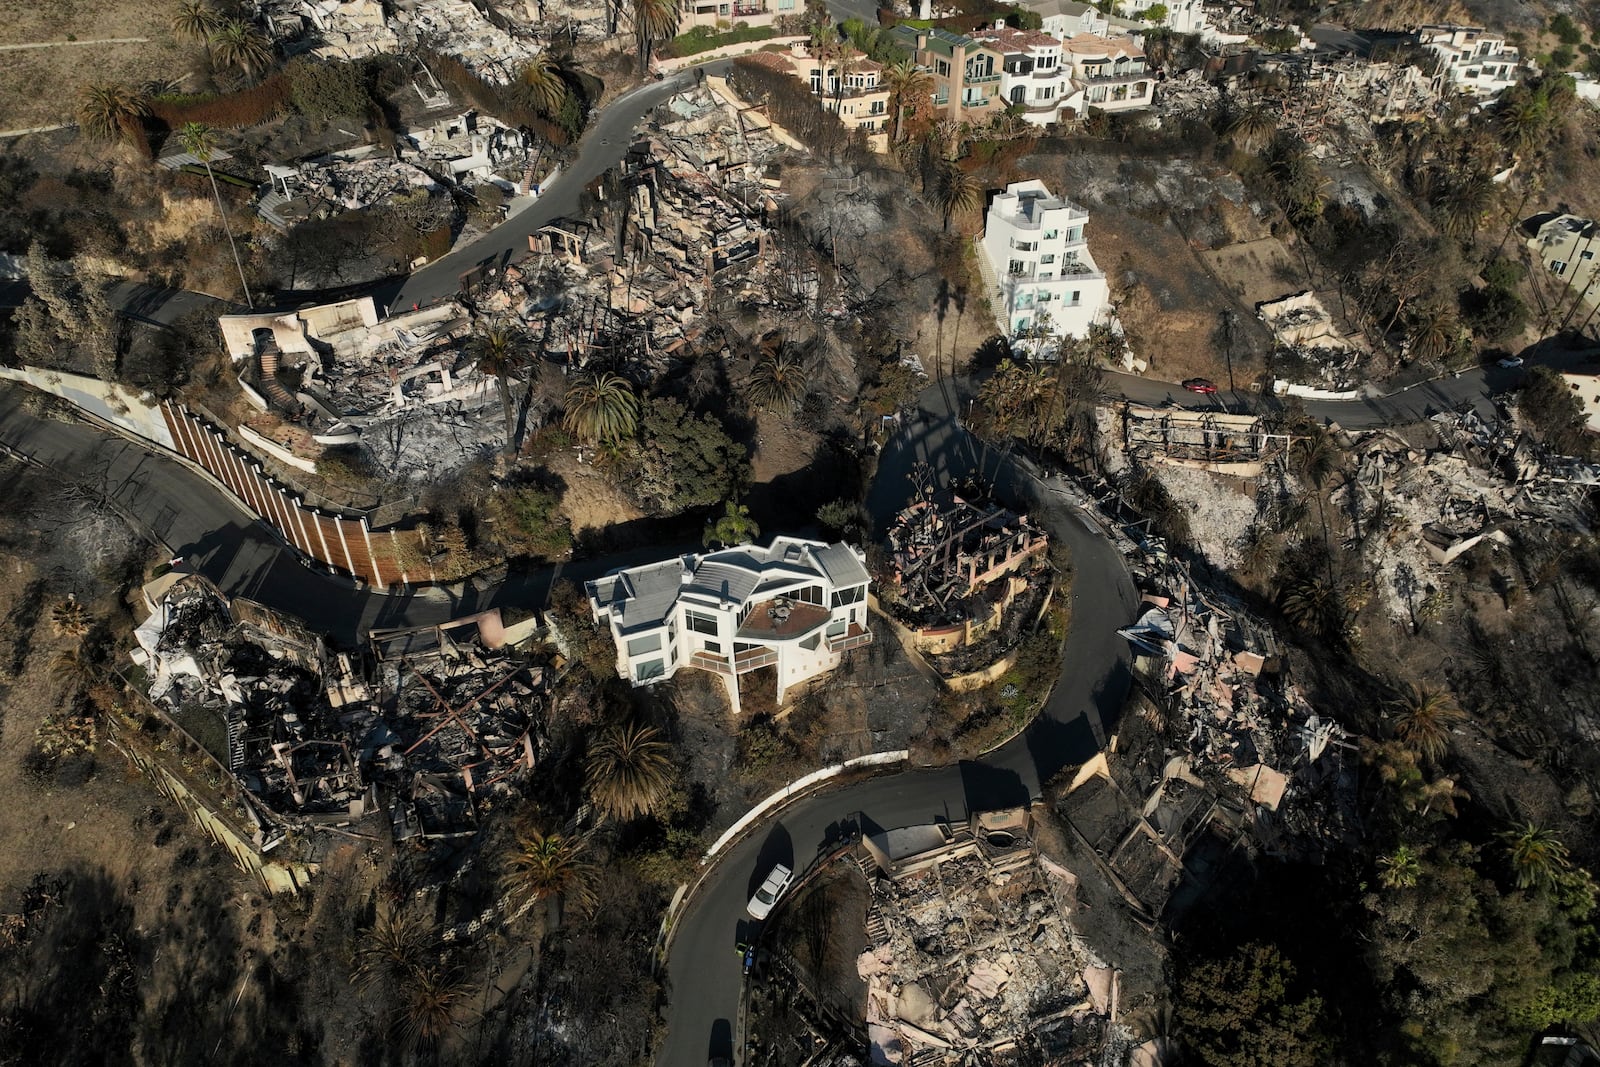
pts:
[270, 384]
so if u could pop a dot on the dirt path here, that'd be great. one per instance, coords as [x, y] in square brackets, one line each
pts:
[74, 44]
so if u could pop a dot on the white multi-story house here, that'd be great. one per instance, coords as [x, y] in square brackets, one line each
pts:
[1183, 16]
[1471, 58]
[1046, 279]
[1033, 76]
[1108, 74]
[796, 606]
[1063, 18]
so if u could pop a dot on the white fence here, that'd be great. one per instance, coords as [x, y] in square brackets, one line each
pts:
[798, 786]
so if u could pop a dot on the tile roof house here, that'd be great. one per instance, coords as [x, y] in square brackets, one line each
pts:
[796, 606]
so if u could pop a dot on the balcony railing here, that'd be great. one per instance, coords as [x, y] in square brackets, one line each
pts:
[742, 663]
[846, 642]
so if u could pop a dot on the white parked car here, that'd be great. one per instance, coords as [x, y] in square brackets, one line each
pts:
[771, 889]
[1511, 362]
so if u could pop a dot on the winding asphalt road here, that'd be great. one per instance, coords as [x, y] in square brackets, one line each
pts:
[703, 965]
[183, 511]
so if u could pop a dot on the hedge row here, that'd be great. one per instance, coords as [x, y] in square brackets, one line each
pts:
[704, 39]
[231, 111]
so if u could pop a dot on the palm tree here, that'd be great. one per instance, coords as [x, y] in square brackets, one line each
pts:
[1466, 197]
[1315, 457]
[629, 771]
[1521, 119]
[435, 998]
[909, 85]
[1254, 126]
[196, 21]
[653, 21]
[601, 409]
[955, 190]
[391, 951]
[69, 619]
[1432, 332]
[541, 80]
[72, 671]
[778, 383]
[735, 527]
[198, 142]
[110, 112]
[1312, 604]
[236, 44]
[1400, 869]
[498, 352]
[1537, 855]
[1422, 720]
[542, 867]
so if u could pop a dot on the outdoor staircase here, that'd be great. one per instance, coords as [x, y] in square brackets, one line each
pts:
[270, 384]
[235, 725]
[991, 286]
[268, 207]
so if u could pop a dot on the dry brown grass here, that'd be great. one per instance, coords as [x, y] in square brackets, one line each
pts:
[39, 87]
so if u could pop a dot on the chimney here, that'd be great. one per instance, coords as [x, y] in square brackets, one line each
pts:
[999, 24]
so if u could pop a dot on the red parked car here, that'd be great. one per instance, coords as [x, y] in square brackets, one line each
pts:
[1200, 385]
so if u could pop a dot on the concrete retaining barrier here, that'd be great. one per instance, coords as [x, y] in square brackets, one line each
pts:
[795, 788]
[743, 48]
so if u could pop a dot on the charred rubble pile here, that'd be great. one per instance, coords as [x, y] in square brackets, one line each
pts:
[973, 957]
[1238, 750]
[680, 226]
[308, 744]
[964, 568]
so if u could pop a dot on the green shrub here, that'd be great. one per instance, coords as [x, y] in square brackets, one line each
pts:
[323, 92]
[704, 39]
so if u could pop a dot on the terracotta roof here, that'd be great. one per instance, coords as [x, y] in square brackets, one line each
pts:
[770, 60]
[1007, 39]
[1093, 44]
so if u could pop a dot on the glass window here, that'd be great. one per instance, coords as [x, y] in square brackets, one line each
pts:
[837, 628]
[640, 645]
[650, 668]
[714, 646]
[810, 644]
[701, 624]
[1048, 257]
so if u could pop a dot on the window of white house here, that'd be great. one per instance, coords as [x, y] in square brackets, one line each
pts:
[810, 644]
[701, 624]
[1051, 235]
[1044, 296]
[811, 594]
[650, 668]
[714, 646]
[1048, 257]
[1558, 267]
[1585, 255]
[837, 628]
[1024, 300]
[640, 645]
[1076, 295]
[853, 595]
[744, 646]
[1016, 267]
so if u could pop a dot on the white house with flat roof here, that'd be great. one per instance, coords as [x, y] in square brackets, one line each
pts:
[1471, 58]
[796, 606]
[1038, 254]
